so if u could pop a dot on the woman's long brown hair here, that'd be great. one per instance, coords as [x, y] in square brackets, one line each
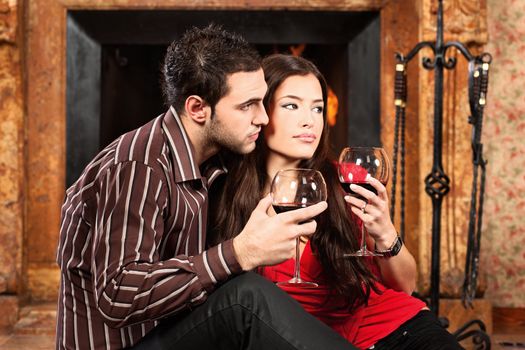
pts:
[242, 189]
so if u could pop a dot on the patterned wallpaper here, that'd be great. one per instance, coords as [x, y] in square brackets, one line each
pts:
[504, 139]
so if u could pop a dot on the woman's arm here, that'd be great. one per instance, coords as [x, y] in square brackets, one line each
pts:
[397, 272]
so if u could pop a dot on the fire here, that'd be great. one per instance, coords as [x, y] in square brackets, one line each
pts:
[331, 109]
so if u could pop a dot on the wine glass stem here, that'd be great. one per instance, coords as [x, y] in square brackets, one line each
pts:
[363, 238]
[297, 272]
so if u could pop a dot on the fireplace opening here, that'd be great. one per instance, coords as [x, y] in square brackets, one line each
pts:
[114, 60]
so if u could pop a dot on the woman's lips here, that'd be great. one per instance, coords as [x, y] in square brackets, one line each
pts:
[306, 137]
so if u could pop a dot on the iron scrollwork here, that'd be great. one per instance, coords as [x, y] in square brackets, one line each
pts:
[437, 182]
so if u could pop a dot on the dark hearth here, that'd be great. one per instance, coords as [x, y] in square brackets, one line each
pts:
[114, 58]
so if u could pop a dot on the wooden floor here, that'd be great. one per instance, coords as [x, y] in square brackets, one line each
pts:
[36, 330]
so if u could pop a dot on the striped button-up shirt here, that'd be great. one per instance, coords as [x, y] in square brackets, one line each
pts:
[133, 239]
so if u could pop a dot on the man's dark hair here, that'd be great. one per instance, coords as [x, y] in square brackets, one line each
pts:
[199, 64]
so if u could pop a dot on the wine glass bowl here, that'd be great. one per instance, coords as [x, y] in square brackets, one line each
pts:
[293, 189]
[356, 166]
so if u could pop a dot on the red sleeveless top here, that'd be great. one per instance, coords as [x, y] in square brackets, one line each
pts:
[362, 327]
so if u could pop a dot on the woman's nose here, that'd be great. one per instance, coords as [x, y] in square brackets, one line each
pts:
[307, 120]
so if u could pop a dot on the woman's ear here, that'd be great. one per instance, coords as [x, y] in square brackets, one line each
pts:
[197, 109]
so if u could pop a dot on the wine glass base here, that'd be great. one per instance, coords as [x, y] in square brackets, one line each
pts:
[297, 282]
[363, 252]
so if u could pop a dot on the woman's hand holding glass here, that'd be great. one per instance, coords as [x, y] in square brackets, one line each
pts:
[376, 216]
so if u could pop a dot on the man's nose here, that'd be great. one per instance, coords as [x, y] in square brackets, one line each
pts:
[261, 118]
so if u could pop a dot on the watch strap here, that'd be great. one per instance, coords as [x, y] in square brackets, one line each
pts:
[394, 249]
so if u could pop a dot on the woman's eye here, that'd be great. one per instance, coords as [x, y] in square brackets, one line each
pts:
[290, 106]
[318, 109]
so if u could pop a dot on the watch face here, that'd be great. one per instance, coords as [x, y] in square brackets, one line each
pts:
[396, 248]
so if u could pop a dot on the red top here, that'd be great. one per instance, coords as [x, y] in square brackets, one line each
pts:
[364, 326]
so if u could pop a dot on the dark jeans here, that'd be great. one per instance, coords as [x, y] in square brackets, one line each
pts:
[247, 312]
[422, 331]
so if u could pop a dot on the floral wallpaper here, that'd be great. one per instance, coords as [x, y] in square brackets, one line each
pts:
[503, 245]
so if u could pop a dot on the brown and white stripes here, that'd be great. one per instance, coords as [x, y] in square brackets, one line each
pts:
[132, 239]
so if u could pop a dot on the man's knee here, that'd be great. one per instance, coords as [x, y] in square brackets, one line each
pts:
[249, 282]
[249, 289]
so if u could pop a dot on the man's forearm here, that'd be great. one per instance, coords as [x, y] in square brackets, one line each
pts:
[143, 291]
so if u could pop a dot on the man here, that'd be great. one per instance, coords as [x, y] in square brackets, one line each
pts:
[132, 252]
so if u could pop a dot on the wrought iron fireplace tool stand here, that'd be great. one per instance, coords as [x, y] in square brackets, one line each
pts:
[437, 183]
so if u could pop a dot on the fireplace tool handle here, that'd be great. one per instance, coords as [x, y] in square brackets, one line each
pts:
[437, 183]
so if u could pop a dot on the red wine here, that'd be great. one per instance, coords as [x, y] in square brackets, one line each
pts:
[281, 208]
[346, 188]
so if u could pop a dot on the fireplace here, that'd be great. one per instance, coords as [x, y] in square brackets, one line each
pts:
[77, 49]
[58, 56]
[114, 58]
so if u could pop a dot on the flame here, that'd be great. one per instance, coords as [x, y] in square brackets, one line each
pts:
[333, 106]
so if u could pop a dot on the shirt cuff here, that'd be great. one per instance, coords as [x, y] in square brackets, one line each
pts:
[216, 265]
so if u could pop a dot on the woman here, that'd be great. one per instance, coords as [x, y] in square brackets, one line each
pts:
[366, 300]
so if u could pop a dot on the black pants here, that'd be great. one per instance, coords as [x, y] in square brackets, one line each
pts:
[247, 312]
[422, 331]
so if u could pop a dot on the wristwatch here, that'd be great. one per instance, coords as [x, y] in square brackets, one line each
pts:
[393, 250]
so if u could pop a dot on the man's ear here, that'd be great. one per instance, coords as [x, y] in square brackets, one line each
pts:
[197, 109]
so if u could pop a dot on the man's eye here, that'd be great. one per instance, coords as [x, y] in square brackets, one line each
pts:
[290, 106]
[246, 107]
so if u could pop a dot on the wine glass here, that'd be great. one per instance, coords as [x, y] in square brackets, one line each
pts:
[356, 166]
[293, 189]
